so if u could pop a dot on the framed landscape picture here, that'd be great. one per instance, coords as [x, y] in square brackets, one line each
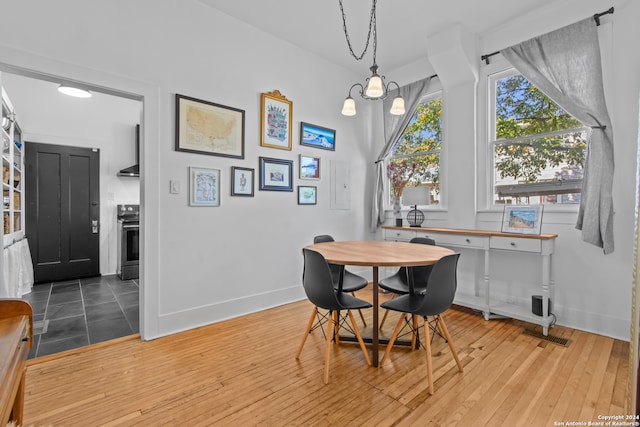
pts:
[522, 219]
[276, 174]
[242, 180]
[317, 136]
[307, 195]
[309, 167]
[206, 128]
[204, 187]
[275, 120]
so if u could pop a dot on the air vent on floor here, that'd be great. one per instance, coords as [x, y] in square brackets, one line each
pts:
[550, 338]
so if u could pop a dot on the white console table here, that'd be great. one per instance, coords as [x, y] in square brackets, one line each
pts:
[487, 241]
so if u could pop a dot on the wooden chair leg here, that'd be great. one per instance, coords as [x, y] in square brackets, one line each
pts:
[384, 318]
[427, 344]
[364, 322]
[359, 336]
[327, 355]
[393, 338]
[307, 331]
[445, 331]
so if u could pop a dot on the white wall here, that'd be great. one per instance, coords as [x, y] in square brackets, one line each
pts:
[103, 121]
[207, 264]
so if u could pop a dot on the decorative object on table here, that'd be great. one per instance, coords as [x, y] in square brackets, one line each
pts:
[397, 174]
[206, 128]
[242, 180]
[307, 195]
[276, 113]
[414, 196]
[276, 174]
[309, 167]
[375, 86]
[317, 136]
[522, 219]
[204, 187]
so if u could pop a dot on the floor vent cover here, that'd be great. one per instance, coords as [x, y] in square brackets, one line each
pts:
[550, 338]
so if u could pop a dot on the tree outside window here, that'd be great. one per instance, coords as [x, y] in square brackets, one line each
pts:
[415, 159]
[538, 148]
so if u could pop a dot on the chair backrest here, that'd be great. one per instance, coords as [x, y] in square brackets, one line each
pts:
[441, 287]
[335, 268]
[420, 274]
[317, 281]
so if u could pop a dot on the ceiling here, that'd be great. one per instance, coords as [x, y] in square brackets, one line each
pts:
[403, 26]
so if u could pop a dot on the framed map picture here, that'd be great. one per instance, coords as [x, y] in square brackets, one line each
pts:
[206, 128]
[275, 120]
[204, 187]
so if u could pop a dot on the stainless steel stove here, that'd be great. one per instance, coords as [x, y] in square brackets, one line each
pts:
[128, 241]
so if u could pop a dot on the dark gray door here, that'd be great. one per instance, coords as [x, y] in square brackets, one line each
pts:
[62, 211]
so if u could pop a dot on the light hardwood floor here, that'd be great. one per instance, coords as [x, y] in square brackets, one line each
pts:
[243, 372]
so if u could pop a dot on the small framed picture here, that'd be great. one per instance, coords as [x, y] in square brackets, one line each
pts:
[242, 180]
[275, 120]
[204, 188]
[309, 167]
[317, 136]
[522, 219]
[307, 195]
[276, 174]
[206, 128]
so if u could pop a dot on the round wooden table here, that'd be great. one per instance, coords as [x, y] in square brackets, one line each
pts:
[375, 254]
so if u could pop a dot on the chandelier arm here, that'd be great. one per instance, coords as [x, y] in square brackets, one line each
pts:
[361, 90]
[372, 28]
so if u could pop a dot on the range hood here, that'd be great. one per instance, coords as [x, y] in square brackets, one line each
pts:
[134, 170]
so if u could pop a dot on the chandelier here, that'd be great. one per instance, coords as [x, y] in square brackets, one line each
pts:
[376, 88]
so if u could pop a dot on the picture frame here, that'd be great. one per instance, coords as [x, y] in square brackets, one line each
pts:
[205, 127]
[242, 181]
[276, 174]
[307, 195]
[317, 136]
[309, 167]
[522, 219]
[276, 113]
[204, 187]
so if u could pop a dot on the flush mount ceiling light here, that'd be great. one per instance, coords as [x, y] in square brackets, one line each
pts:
[375, 85]
[74, 91]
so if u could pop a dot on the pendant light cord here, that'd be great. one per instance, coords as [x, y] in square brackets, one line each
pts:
[372, 29]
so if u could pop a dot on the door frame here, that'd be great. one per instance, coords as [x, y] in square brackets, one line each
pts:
[29, 65]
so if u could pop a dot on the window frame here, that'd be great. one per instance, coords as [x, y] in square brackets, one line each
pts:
[430, 96]
[498, 69]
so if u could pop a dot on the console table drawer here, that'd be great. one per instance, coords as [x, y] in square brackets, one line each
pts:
[515, 244]
[459, 240]
[399, 235]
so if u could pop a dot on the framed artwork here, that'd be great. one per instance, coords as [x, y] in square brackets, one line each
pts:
[309, 167]
[317, 136]
[204, 187]
[307, 195]
[276, 174]
[242, 180]
[275, 120]
[206, 128]
[522, 219]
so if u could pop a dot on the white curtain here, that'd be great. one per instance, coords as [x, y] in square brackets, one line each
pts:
[393, 128]
[566, 65]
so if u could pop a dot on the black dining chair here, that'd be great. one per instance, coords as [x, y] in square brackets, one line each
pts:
[351, 282]
[398, 283]
[437, 298]
[318, 286]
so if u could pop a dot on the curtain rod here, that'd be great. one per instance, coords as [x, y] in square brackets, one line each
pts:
[596, 18]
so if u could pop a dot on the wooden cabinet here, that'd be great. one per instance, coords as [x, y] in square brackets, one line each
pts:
[16, 337]
[538, 247]
[12, 175]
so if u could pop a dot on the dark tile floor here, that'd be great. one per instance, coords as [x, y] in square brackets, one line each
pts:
[76, 313]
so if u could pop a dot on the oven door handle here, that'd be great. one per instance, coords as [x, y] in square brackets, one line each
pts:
[128, 226]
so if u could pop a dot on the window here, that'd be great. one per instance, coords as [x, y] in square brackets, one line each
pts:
[536, 147]
[415, 159]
